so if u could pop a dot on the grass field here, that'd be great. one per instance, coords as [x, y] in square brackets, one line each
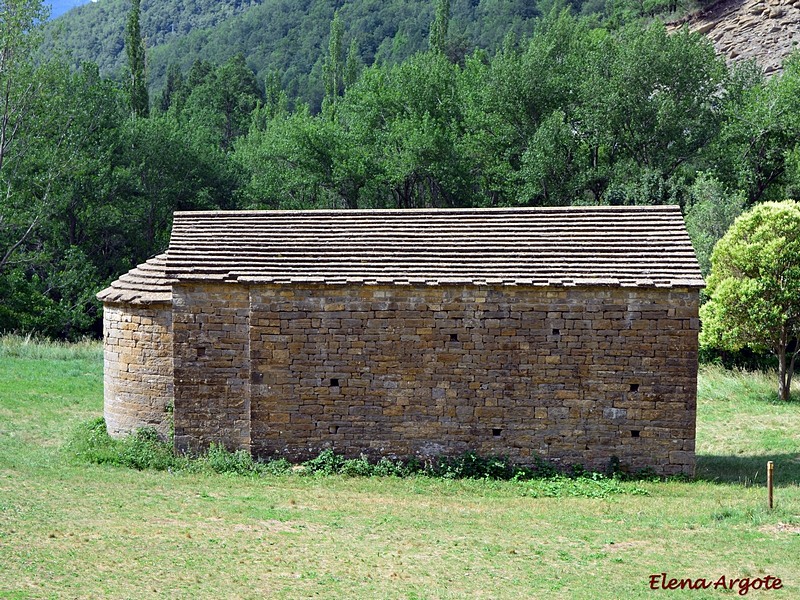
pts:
[71, 530]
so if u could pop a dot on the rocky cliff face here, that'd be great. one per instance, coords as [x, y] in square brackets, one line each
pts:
[764, 30]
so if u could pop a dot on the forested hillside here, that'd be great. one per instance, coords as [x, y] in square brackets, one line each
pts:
[283, 36]
[288, 37]
[577, 111]
[94, 32]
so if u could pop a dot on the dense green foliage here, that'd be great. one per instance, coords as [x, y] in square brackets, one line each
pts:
[755, 276]
[577, 110]
[712, 210]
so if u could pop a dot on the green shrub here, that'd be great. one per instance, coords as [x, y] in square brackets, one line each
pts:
[357, 467]
[387, 467]
[278, 466]
[145, 450]
[91, 443]
[468, 465]
[326, 463]
[219, 460]
[142, 450]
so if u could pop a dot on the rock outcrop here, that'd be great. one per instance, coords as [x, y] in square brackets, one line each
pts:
[764, 30]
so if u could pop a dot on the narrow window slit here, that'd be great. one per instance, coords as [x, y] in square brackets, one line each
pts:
[453, 337]
[634, 387]
[634, 433]
[496, 432]
[334, 382]
[556, 332]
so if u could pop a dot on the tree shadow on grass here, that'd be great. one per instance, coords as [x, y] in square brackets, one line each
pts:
[748, 470]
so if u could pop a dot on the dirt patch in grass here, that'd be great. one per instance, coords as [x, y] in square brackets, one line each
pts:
[268, 526]
[216, 525]
[781, 528]
[622, 546]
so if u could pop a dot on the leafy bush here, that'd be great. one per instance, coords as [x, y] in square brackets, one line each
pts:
[387, 467]
[468, 465]
[278, 466]
[91, 443]
[471, 466]
[357, 467]
[327, 463]
[219, 460]
[145, 450]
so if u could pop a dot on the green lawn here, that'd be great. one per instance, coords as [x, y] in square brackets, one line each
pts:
[69, 530]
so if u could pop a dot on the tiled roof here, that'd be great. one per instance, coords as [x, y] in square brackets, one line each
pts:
[145, 284]
[638, 246]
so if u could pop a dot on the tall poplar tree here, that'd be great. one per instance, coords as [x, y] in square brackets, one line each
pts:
[353, 65]
[333, 69]
[134, 48]
[441, 22]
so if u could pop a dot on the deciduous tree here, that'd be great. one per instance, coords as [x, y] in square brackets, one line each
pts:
[753, 287]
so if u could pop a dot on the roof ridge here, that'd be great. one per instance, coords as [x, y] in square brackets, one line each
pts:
[417, 211]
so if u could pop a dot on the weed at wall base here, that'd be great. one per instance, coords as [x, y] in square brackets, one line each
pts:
[142, 450]
[145, 450]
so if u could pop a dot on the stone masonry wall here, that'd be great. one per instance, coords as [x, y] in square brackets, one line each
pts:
[574, 375]
[138, 367]
[212, 366]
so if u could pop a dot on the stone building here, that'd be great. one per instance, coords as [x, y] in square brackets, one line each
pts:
[567, 333]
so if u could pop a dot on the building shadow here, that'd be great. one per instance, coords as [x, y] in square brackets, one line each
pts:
[747, 469]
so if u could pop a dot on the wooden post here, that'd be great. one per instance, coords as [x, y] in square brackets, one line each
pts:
[770, 469]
